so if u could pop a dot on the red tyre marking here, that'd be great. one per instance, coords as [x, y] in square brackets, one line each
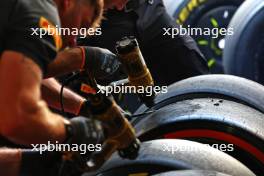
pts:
[219, 136]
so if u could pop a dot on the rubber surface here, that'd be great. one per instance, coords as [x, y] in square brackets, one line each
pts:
[238, 95]
[243, 54]
[172, 5]
[197, 9]
[233, 87]
[210, 121]
[192, 173]
[205, 14]
[165, 155]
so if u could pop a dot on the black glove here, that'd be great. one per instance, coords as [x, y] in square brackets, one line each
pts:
[84, 131]
[100, 63]
[34, 163]
[81, 131]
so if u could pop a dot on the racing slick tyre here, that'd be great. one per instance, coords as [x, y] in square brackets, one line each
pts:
[227, 86]
[243, 54]
[206, 14]
[219, 110]
[166, 155]
[192, 173]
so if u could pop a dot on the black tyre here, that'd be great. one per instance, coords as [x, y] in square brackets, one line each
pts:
[206, 14]
[166, 155]
[243, 54]
[232, 127]
[230, 87]
[192, 173]
[212, 109]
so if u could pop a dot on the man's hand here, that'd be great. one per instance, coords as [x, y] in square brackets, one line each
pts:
[100, 63]
[82, 131]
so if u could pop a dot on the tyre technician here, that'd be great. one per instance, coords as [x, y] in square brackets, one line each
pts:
[169, 59]
[26, 59]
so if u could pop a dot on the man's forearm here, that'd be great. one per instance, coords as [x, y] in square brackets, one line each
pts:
[25, 117]
[51, 94]
[66, 61]
[10, 160]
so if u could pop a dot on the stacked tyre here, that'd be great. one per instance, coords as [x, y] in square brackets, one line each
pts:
[159, 156]
[211, 109]
[217, 110]
[243, 55]
[206, 14]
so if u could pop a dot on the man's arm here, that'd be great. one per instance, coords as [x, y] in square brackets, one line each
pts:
[99, 62]
[10, 161]
[22, 110]
[67, 61]
[51, 94]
